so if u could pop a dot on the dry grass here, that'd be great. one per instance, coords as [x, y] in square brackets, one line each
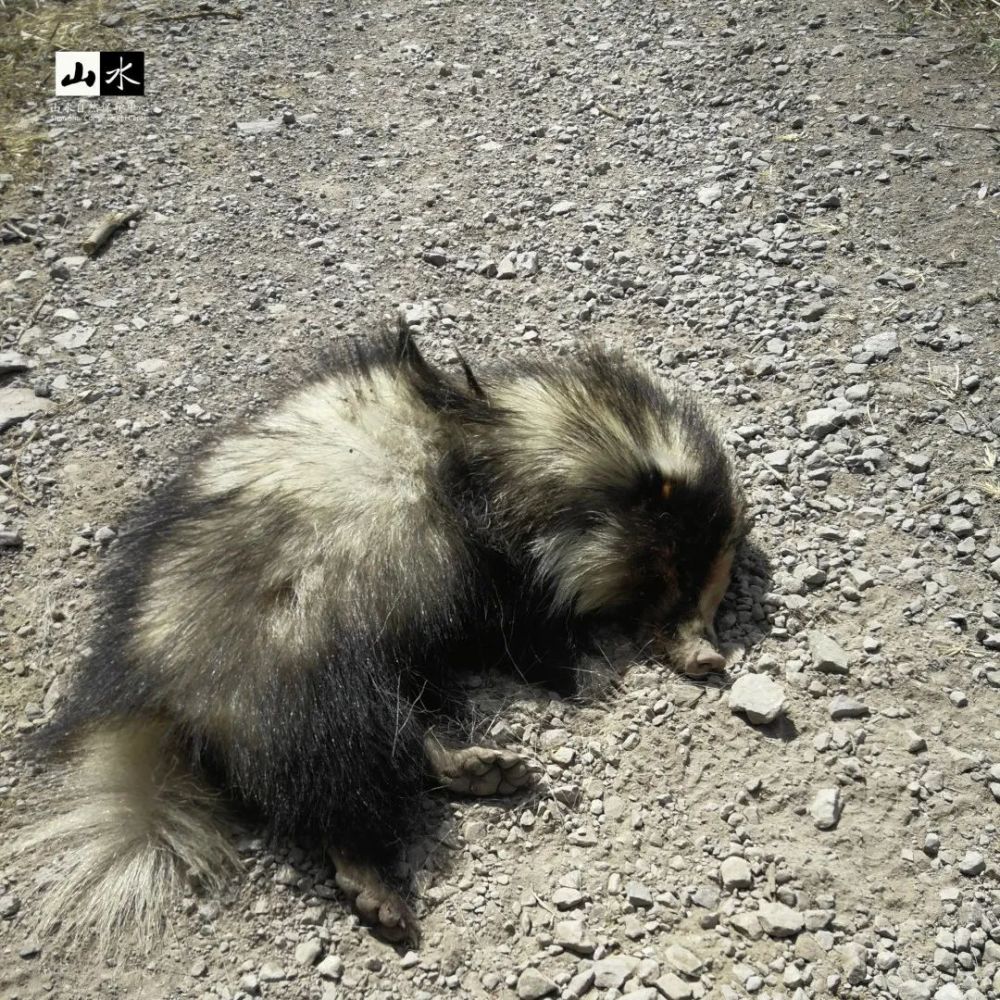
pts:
[31, 31]
[979, 18]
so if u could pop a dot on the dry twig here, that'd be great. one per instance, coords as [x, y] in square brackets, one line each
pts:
[106, 228]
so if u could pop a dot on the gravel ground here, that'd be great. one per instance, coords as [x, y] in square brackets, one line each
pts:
[771, 203]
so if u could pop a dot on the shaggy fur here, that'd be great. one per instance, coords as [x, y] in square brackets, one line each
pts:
[287, 619]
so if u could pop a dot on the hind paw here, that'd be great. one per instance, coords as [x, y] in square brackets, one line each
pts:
[376, 903]
[481, 771]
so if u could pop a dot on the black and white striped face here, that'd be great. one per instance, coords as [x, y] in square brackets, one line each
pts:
[631, 507]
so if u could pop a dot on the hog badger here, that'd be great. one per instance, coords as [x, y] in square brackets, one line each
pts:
[286, 626]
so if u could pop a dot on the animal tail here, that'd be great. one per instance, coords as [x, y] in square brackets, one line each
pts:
[130, 825]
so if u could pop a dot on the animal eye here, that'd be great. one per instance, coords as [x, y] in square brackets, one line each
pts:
[666, 488]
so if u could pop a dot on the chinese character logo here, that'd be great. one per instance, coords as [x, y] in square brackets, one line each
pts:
[100, 74]
[77, 74]
[122, 74]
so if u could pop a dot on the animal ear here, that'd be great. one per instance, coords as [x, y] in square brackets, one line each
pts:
[473, 383]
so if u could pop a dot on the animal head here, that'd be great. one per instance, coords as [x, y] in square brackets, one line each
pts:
[623, 495]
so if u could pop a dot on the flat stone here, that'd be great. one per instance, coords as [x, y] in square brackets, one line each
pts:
[709, 195]
[673, 987]
[271, 973]
[74, 337]
[915, 989]
[757, 697]
[562, 208]
[258, 127]
[611, 973]
[814, 311]
[825, 808]
[572, 935]
[565, 898]
[19, 404]
[842, 707]
[917, 462]
[821, 422]
[684, 960]
[827, 655]
[748, 924]
[882, 344]
[735, 873]
[11, 362]
[779, 921]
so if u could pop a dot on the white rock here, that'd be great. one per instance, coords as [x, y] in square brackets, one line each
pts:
[778, 920]
[735, 873]
[827, 655]
[709, 195]
[758, 697]
[684, 960]
[532, 985]
[825, 808]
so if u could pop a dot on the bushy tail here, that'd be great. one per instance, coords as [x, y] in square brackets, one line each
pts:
[130, 824]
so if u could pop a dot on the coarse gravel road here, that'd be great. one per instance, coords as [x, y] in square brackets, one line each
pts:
[791, 208]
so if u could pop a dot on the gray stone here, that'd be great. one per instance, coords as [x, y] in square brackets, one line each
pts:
[949, 992]
[308, 952]
[507, 268]
[709, 195]
[855, 957]
[684, 960]
[825, 808]
[735, 873]
[532, 985]
[842, 707]
[19, 404]
[11, 362]
[972, 864]
[611, 973]
[913, 989]
[258, 127]
[821, 423]
[332, 967]
[827, 655]
[580, 985]
[814, 311]
[758, 697]
[571, 935]
[562, 208]
[638, 895]
[566, 898]
[882, 344]
[778, 920]
[271, 973]
[76, 336]
[673, 987]
[917, 462]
